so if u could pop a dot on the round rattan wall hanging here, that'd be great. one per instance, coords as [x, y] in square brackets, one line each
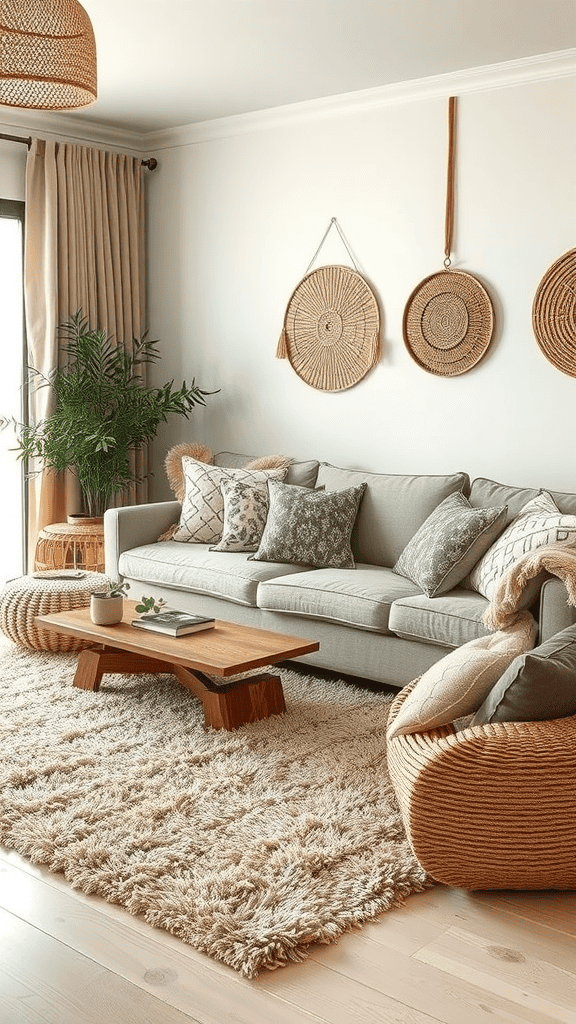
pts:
[449, 318]
[554, 313]
[331, 332]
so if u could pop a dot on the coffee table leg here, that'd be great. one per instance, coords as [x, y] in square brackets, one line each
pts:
[226, 706]
[94, 662]
[232, 705]
[88, 671]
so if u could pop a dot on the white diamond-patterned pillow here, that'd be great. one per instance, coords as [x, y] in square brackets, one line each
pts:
[539, 522]
[202, 515]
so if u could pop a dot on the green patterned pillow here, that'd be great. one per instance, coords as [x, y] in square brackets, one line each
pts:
[245, 513]
[449, 543]
[309, 527]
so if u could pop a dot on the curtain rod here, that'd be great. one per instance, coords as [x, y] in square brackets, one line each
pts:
[151, 163]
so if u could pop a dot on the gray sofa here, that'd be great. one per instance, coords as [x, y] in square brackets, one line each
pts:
[369, 621]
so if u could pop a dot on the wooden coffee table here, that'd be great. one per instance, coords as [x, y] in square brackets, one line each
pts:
[226, 650]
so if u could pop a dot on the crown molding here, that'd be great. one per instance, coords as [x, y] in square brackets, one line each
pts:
[67, 127]
[547, 66]
[560, 64]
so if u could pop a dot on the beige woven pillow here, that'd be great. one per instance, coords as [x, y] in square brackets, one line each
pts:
[459, 683]
[201, 452]
[202, 516]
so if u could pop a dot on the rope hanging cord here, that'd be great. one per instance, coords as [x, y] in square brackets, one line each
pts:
[333, 224]
[449, 220]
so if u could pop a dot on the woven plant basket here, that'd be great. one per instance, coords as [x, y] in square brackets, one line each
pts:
[448, 323]
[331, 332]
[554, 313]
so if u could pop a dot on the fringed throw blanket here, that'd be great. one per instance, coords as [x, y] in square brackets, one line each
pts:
[553, 560]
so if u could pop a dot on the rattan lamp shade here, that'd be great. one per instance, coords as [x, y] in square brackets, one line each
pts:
[47, 55]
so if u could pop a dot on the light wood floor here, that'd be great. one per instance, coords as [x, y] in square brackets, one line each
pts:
[447, 955]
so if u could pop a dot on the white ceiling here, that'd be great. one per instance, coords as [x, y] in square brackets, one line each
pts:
[165, 63]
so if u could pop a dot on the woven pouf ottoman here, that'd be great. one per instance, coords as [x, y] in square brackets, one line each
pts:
[24, 598]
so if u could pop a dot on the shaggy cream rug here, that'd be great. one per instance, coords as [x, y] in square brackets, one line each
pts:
[249, 845]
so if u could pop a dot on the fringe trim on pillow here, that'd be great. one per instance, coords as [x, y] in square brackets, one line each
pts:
[169, 533]
[270, 462]
[173, 464]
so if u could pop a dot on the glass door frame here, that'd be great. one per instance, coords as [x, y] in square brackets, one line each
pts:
[14, 209]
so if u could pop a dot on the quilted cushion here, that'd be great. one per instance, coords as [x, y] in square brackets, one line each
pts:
[458, 683]
[202, 515]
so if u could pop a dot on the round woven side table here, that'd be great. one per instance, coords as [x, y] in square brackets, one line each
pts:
[71, 545]
[24, 598]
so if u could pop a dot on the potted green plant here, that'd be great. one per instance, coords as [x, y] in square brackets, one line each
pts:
[102, 412]
[107, 604]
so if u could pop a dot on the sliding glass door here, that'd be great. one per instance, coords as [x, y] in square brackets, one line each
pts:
[12, 399]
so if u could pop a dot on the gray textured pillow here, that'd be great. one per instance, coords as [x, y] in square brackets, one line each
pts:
[309, 527]
[449, 543]
[536, 686]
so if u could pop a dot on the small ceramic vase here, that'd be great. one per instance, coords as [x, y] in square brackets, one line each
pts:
[106, 610]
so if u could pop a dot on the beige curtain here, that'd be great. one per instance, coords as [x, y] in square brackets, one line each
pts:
[84, 249]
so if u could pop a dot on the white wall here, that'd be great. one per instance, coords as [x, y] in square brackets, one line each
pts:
[234, 222]
[12, 166]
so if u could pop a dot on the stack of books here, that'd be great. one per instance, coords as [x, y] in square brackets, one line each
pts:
[174, 623]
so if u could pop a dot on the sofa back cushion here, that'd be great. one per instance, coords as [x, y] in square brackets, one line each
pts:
[303, 474]
[392, 510]
[487, 493]
[484, 493]
[565, 502]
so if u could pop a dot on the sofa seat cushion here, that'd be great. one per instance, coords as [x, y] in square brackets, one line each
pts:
[198, 570]
[451, 620]
[361, 599]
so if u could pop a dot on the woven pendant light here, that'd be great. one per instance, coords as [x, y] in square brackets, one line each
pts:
[554, 313]
[47, 55]
[449, 318]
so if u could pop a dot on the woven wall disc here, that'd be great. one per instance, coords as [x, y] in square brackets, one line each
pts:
[332, 328]
[448, 323]
[554, 313]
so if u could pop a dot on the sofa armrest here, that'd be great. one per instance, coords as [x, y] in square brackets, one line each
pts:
[133, 525]
[555, 612]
